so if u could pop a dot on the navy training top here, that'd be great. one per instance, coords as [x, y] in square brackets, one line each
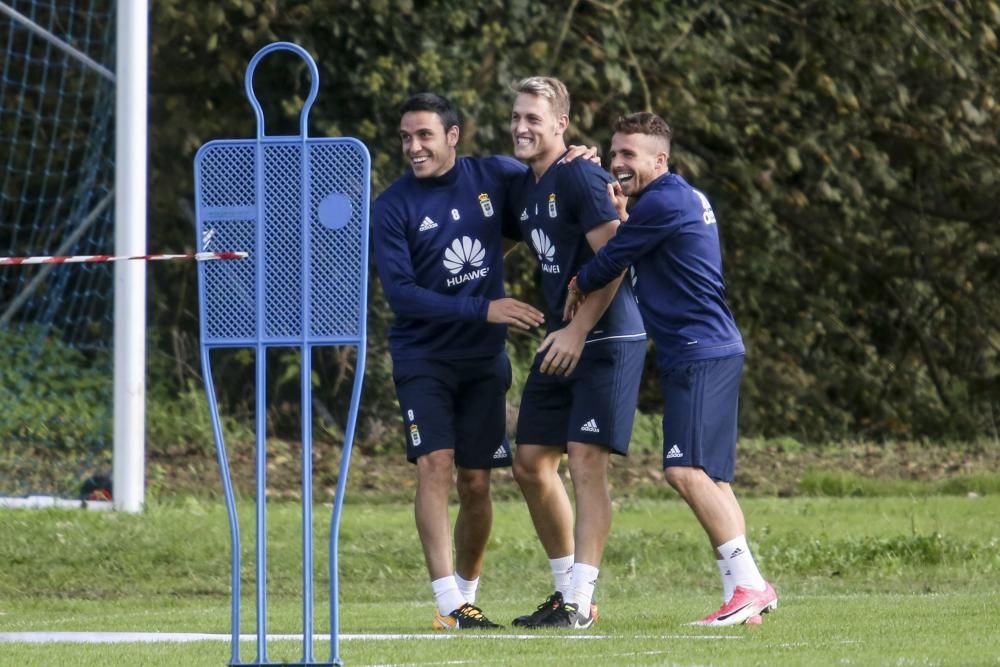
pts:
[672, 240]
[439, 255]
[553, 217]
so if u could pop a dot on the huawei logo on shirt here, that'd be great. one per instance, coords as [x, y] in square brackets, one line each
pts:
[545, 250]
[465, 252]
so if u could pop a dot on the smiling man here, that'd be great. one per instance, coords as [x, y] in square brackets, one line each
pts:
[438, 249]
[581, 392]
[672, 238]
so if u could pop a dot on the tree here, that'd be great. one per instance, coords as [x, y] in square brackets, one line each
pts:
[850, 150]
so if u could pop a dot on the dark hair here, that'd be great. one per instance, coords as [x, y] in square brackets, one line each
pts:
[435, 103]
[644, 122]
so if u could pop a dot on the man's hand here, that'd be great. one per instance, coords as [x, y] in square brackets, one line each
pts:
[515, 313]
[588, 152]
[619, 199]
[564, 349]
[574, 299]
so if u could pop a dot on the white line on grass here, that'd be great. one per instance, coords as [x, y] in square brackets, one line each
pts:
[184, 637]
[43, 502]
[554, 658]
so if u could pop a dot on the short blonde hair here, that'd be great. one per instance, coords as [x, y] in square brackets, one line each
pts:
[548, 87]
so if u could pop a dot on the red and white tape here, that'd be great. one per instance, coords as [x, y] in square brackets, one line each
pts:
[85, 259]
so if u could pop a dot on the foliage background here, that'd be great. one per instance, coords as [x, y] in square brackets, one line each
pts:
[849, 148]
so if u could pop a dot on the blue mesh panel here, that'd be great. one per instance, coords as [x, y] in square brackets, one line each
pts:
[231, 308]
[283, 241]
[227, 174]
[232, 300]
[336, 285]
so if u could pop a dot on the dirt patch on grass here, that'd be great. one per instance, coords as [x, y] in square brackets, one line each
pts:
[769, 468]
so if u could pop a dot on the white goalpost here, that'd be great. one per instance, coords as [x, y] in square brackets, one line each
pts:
[129, 456]
[38, 216]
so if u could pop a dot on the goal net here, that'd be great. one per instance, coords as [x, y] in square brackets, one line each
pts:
[57, 104]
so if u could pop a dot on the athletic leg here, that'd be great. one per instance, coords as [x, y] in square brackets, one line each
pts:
[736, 552]
[536, 469]
[481, 445]
[430, 400]
[700, 410]
[725, 571]
[717, 512]
[604, 391]
[541, 429]
[588, 467]
[722, 519]
[474, 521]
[735, 511]
[434, 479]
[430, 509]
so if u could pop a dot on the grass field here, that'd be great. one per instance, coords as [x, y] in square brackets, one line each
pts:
[863, 581]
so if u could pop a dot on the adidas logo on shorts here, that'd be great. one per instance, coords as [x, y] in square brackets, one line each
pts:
[591, 426]
[674, 453]
[500, 453]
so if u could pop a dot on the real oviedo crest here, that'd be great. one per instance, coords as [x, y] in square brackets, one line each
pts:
[552, 205]
[486, 205]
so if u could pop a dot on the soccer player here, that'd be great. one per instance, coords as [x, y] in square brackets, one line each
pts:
[438, 249]
[581, 393]
[671, 238]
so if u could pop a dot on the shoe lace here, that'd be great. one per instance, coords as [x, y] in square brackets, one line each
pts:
[471, 611]
[554, 601]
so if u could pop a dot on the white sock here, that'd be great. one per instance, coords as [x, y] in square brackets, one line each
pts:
[736, 554]
[581, 588]
[467, 587]
[447, 595]
[727, 580]
[562, 569]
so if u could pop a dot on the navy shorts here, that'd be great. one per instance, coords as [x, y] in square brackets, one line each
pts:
[457, 404]
[700, 410]
[595, 404]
